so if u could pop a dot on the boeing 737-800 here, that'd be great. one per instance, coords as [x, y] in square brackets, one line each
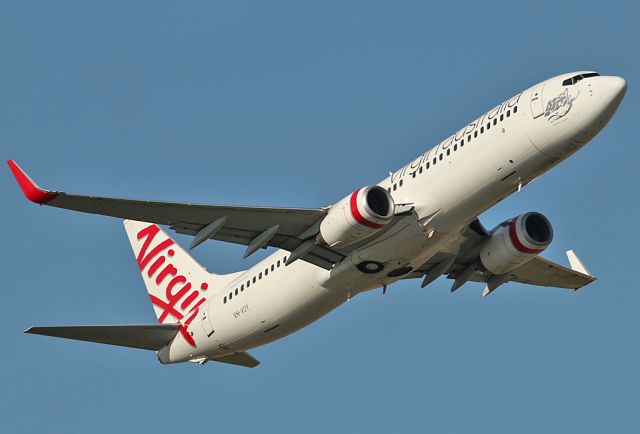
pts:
[420, 222]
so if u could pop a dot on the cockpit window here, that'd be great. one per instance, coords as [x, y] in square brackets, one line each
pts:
[577, 78]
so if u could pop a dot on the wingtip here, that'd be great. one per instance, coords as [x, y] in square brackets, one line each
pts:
[30, 189]
[576, 264]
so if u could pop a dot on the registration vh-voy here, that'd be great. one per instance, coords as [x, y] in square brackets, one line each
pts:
[419, 223]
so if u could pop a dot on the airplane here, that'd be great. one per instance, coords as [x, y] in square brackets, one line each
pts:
[418, 223]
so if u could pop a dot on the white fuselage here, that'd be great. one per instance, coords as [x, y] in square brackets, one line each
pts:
[448, 186]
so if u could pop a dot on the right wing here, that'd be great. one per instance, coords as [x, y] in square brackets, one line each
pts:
[285, 228]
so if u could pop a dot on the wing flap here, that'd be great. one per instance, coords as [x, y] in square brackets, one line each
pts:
[320, 256]
[142, 336]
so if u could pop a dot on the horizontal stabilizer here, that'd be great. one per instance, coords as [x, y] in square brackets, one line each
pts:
[143, 336]
[242, 359]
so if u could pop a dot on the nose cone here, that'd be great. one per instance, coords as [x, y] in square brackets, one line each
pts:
[612, 90]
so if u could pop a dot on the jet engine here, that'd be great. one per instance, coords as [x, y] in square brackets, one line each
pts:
[357, 216]
[515, 242]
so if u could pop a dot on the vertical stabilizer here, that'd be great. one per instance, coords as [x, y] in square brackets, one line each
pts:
[178, 286]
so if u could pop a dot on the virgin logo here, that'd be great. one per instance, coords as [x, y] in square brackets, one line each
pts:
[176, 298]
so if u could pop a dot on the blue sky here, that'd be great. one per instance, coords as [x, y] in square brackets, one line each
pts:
[297, 104]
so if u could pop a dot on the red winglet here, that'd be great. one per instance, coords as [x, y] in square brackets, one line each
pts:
[30, 188]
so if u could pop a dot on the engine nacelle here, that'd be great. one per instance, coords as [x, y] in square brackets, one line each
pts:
[515, 242]
[357, 216]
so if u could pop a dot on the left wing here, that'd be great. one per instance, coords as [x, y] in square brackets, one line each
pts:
[543, 272]
[463, 267]
[255, 227]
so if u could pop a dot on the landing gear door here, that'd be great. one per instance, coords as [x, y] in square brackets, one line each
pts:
[206, 320]
[537, 106]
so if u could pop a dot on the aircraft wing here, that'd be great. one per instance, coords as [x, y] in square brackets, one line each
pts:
[538, 271]
[543, 272]
[283, 228]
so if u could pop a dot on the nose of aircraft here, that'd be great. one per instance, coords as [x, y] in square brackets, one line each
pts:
[612, 90]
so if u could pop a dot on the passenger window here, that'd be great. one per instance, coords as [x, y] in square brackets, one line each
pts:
[440, 157]
[448, 151]
[515, 110]
[230, 296]
[225, 299]
[400, 184]
[278, 263]
[489, 126]
[495, 121]
[254, 279]
[469, 138]
[272, 267]
[434, 160]
[242, 287]
[501, 117]
[284, 261]
[455, 147]
[481, 129]
[508, 113]
[475, 133]
[266, 272]
[427, 164]
[248, 284]
[236, 291]
[421, 167]
[260, 275]
[461, 143]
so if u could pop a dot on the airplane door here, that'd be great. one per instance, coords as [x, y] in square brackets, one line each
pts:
[205, 317]
[537, 105]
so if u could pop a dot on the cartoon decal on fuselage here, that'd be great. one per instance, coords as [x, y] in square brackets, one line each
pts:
[559, 107]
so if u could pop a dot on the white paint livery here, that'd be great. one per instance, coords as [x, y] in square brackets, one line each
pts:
[326, 256]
